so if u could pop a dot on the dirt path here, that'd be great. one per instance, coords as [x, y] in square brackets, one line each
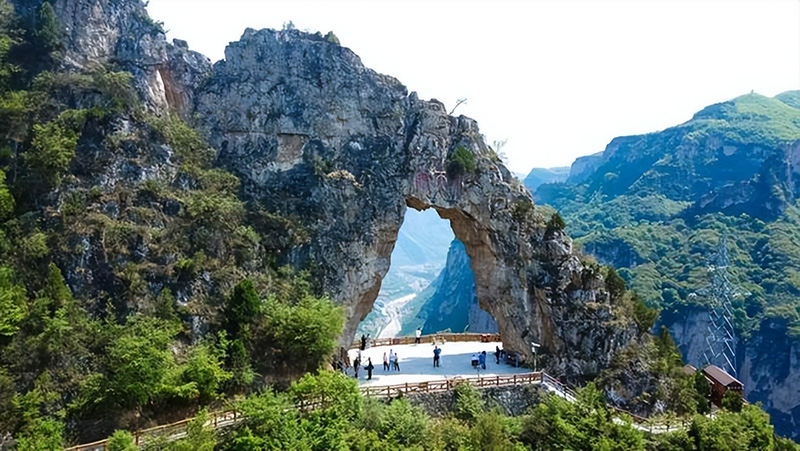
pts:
[392, 311]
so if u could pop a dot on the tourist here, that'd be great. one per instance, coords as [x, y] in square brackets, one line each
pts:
[396, 362]
[356, 364]
[385, 362]
[482, 359]
[391, 359]
[417, 335]
[497, 354]
[370, 367]
[437, 351]
[363, 342]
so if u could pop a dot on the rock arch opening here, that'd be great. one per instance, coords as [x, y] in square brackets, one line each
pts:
[429, 285]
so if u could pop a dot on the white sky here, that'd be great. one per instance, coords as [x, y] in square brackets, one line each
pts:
[558, 79]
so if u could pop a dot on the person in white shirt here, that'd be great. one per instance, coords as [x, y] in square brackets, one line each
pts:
[417, 335]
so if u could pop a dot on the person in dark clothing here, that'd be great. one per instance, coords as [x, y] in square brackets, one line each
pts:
[385, 362]
[497, 354]
[363, 342]
[370, 367]
[356, 364]
[436, 353]
[482, 359]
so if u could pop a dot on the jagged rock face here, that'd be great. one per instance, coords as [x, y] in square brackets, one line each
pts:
[99, 32]
[314, 134]
[454, 305]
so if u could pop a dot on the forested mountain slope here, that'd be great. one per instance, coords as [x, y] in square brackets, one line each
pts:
[656, 206]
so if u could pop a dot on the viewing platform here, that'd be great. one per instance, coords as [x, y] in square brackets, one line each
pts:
[416, 361]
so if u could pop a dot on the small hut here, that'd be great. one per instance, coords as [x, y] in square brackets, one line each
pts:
[721, 382]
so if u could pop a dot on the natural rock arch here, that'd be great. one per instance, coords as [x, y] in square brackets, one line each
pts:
[315, 135]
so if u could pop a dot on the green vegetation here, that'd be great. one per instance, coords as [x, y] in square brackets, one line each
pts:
[650, 223]
[103, 285]
[346, 421]
[460, 162]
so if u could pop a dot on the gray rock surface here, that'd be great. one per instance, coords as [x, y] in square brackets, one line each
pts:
[100, 32]
[314, 134]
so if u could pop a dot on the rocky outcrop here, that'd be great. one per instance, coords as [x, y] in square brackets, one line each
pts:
[344, 151]
[583, 167]
[104, 32]
[314, 134]
[453, 304]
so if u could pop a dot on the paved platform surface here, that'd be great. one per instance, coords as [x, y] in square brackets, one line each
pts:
[416, 363]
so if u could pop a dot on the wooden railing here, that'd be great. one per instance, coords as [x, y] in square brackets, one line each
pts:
[227, 418]
[387, 391]
[430, 338]
[216, 420]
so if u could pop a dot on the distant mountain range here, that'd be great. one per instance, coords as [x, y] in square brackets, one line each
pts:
[656, 206]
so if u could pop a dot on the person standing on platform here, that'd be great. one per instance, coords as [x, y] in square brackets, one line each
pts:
[370, 367]
[437, 351]
[363, 342]
[417, 335]
[396, 362]
[482, 359]
[385, 362]
[497, 354]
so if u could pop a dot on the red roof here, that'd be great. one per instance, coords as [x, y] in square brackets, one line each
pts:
[721, 376]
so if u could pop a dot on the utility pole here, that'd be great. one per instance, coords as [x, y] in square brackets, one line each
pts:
[720, 292]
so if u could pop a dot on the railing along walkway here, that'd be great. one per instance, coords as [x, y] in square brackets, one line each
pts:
[226, 418]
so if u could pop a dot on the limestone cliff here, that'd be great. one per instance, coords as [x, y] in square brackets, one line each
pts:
[317, 137]
[313, 133]
[452, 305]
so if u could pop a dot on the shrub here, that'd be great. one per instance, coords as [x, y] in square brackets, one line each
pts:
[6, 199]
[489, 433]
[732, 401]
[644, 316]
[48, 28]
[556, 222]
[468, 403]
[121, 441]
[241, 307]
[307, 329]
[403, 423]
[448, 434]
[460, 162]
[615, 285]
[204, 371]
[13, 303]
[270, 423]
[52, 149]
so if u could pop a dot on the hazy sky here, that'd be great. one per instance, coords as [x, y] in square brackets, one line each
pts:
[558, 79]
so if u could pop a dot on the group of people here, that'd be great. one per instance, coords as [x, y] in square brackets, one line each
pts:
[391, 361]
[369, 366]
[479, 359]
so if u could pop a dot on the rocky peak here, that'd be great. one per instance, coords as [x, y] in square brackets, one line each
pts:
[313, 134]
[99, 33]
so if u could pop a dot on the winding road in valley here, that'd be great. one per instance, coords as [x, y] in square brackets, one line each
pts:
[392, 311]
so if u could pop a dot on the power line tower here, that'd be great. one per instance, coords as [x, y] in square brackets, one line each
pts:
[721, 336]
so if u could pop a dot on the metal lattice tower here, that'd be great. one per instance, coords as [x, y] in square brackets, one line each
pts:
[721, 336]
